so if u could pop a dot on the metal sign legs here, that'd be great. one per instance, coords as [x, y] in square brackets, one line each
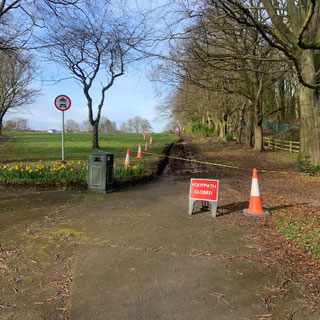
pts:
[205, 205]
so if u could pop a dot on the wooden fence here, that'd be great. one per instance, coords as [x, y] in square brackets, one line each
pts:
[291, 146]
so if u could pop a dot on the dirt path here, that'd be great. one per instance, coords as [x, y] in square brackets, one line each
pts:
[150, 260]
[137, 254]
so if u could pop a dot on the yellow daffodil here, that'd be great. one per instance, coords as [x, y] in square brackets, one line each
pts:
[30, 170]
[16, 167]
[134, 167]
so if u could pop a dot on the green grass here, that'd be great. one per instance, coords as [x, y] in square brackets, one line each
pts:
[25, 147]
[302, 229]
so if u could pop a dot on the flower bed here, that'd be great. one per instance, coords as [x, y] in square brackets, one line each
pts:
[62, 175]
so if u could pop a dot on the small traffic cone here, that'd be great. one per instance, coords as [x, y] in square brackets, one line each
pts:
[255, 205]
[144, 136]
[139, 155]
[150, 140]
[146, 148]
[127, 161]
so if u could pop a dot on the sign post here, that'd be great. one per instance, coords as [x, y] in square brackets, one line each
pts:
[206, 191]
[62, 103]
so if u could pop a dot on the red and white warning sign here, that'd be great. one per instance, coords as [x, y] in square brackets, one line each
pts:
[204, 189]
[62, 102]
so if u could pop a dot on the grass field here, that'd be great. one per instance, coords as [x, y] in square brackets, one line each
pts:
[36, 146]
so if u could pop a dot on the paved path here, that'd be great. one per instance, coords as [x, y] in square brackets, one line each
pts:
[147, 259]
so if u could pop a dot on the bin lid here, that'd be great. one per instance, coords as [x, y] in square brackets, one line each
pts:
[100, 153]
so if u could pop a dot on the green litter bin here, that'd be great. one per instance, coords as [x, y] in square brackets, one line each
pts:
[100, 171]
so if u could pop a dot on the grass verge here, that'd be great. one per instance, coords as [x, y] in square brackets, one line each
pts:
[301, 226]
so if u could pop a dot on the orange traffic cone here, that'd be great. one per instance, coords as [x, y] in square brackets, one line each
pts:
[255, 206]
[144, 136]
[150, 140]
[127, 161]
[139, 155]
[146, 148]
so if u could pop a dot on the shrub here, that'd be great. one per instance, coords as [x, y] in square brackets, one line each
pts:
[229, 137]
[202, 129]
[305, 165]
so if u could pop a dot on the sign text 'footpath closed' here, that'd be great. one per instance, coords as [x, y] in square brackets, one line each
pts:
[204, 189]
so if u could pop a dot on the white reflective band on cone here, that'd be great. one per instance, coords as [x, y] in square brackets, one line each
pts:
[255, 192]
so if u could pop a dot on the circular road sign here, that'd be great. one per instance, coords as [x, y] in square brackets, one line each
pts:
[62, 102]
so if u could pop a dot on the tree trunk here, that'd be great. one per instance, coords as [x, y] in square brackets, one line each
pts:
[1, 125]
[95, 141]
[222, 129]
[309, 111]
[249, 128]
[282, 106]
[240, 123]
[209, 120]
[258, 137]
[258, 133]
[216, 127]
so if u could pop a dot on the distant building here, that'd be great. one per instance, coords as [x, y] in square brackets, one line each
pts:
[52, 131]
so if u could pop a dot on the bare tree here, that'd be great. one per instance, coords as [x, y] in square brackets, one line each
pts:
[233, 60]
[145, 125]
[95, 45]
[107, 126]
[293, 28]
[72, 126]
[123, 127]
[138, 125]
[17, 71]
[16, 124]
[20, 19]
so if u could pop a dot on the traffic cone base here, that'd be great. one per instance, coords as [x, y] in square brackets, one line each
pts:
[255, 205]
[146, 148]
[264, 213]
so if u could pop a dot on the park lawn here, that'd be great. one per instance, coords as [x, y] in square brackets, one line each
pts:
[27, 147]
